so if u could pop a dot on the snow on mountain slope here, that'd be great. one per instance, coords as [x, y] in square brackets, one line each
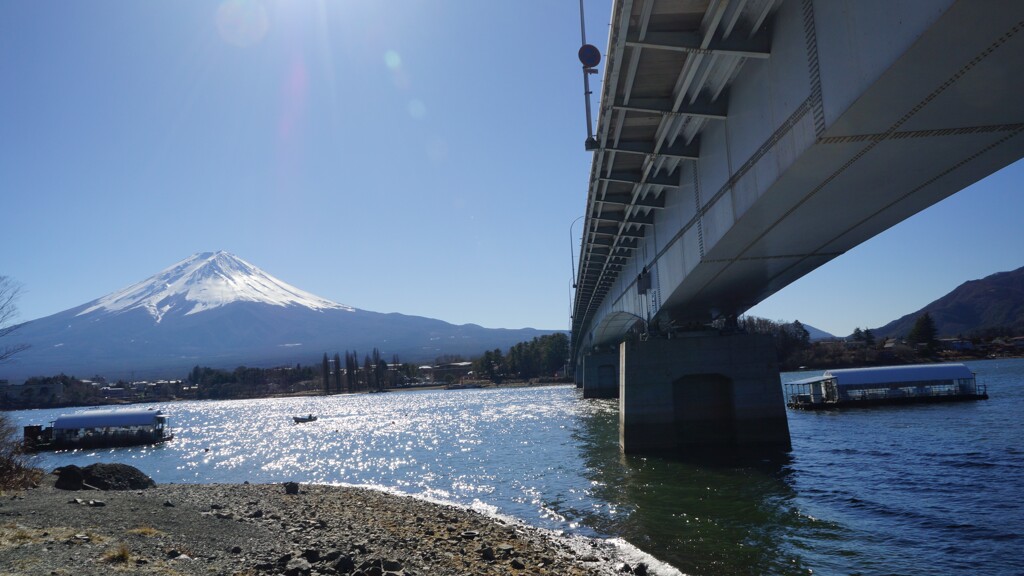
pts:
[204, 282]
[217, 310]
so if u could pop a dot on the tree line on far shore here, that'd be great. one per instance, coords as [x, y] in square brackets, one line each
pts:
[543, 356]
[795, 350]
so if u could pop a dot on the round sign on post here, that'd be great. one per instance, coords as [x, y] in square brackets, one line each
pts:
[589, 55]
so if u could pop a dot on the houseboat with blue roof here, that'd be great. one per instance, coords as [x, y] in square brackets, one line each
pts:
[885, 385]
[100, 429]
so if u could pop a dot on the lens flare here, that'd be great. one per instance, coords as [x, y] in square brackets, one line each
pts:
[242, 22]
[417, 109]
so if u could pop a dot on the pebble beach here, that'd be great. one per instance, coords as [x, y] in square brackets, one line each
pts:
[275, 529]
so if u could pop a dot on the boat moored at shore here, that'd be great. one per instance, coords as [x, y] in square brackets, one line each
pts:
[885, 385]
[100, 429]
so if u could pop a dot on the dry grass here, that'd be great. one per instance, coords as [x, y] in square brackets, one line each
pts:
[20, 535]
[12, 534]
[119, 555]
[18, 478]
[15, 473]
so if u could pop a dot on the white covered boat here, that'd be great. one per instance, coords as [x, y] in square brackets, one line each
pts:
[916, 383]
[100, 429]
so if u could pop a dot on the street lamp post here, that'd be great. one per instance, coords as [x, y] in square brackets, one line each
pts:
[572, 253]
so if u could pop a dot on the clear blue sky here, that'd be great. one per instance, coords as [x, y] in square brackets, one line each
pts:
[397, 156]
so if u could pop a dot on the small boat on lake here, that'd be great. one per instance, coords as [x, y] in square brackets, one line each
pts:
[885, 385]
[302, 419]
[100, 429]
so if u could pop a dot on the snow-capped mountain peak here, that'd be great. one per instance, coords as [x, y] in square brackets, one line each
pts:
[203, 282]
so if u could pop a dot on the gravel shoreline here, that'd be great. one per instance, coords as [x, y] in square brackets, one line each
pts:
[260, 529]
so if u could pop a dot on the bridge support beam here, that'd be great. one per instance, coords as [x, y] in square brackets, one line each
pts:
[601, 374]
[701, 393]
[600, 378]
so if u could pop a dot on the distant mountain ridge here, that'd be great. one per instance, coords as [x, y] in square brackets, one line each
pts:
[996, 301]
[816, 334]
[217, 310]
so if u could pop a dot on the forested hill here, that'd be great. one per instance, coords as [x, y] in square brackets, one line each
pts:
[994, 302]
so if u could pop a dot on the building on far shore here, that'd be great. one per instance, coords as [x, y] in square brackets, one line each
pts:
[956, 344]
[113, 392]
[426, 372]
[452, 371]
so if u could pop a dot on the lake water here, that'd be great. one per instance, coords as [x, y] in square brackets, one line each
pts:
[933, 489]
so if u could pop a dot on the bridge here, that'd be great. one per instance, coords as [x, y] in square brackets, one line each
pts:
[740, 144]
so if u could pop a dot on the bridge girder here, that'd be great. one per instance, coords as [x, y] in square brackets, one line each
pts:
[933, 118]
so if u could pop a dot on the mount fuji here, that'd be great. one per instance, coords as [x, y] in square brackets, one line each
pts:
[215, 309]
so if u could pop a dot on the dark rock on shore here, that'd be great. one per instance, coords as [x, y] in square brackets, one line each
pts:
[102, 477]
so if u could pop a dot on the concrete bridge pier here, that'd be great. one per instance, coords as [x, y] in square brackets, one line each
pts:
[601, 374]
[701, 393]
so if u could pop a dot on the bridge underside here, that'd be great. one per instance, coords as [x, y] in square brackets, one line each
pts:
[743, 144]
